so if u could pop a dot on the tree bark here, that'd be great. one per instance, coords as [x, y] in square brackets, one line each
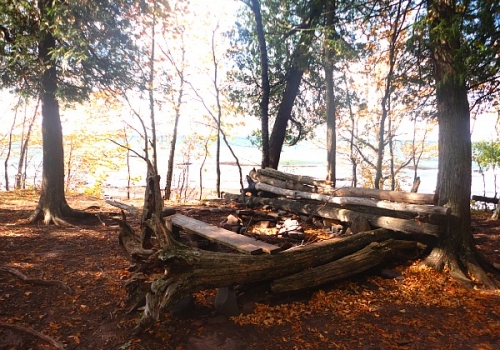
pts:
[331, 136]
[455, 247]
[368, 202]
[299, 64]
[264, 77]
[407, 225]
[185, 269]
[52, 206]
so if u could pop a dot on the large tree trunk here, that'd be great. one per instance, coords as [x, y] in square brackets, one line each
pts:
[52, 205]
[455, 248]
[299, 64]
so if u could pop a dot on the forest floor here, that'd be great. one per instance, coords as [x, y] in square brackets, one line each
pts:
[86, 308]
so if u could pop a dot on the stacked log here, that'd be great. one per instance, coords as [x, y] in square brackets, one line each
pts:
[400, 211]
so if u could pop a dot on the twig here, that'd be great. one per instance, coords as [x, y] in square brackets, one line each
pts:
[35, 280]
[44, 337]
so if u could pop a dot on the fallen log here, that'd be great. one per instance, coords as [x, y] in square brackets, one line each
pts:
[485, 199]
[325, 188]
[346, 215]
[185, 270]
[287, 184]
[130, 208]
[308, 180]
[413, 208]
[370, 256]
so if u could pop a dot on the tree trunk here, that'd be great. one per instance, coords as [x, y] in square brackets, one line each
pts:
[266, 89]
[331, 136]
[24, 150]
[299, 64]
[455, 247]
[171, 155]
[52, 205]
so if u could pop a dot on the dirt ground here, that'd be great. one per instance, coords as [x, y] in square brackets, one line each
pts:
[86, 305]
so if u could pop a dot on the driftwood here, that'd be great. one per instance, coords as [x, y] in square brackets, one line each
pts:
[184, 270]
[413, 208]
[287, 184]
[370, 256]
[346, 215]
[130, 208]
[180, 270]
[393, 196]
[296, 178]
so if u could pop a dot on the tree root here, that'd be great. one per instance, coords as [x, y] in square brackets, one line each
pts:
[56, 216]
[465, 270]
[30, 280]
[51, 341]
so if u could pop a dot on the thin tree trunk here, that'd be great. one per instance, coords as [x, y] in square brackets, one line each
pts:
[24, 150]
[396, 31]
[266, 89]
[9, 149]
[331, 136]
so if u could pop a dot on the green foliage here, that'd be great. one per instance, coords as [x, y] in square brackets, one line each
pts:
[283, 22]
[486, 154]
[93, 46]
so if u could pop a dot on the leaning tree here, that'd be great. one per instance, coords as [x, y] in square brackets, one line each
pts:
[62, 51]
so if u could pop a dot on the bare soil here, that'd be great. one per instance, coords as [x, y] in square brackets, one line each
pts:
[87, 307]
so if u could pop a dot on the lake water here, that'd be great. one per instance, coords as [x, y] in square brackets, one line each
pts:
[306, 158]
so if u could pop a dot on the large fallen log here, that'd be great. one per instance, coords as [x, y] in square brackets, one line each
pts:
[413, 208]
[346, 215]
[308, 180]
[325, 188]
[287, 184]
[184, 270]
[370, 256]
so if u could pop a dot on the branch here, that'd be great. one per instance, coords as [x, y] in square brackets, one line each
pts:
[27, 279]
[44, 337]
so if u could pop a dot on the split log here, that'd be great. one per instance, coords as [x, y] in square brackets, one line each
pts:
[372, 255]
[308, 180]
[325, 188]
[287, 184]
[346, 215]
[413, 208]
[130, 208]
[185, 270]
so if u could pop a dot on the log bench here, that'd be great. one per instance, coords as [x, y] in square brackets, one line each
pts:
[241, 243]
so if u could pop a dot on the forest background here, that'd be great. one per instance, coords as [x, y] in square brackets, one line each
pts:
[201, 74]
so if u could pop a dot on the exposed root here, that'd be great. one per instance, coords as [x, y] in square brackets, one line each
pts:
[57, 215]
[480, 275]
[51, 341]
[27, 279]
[464, 270]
